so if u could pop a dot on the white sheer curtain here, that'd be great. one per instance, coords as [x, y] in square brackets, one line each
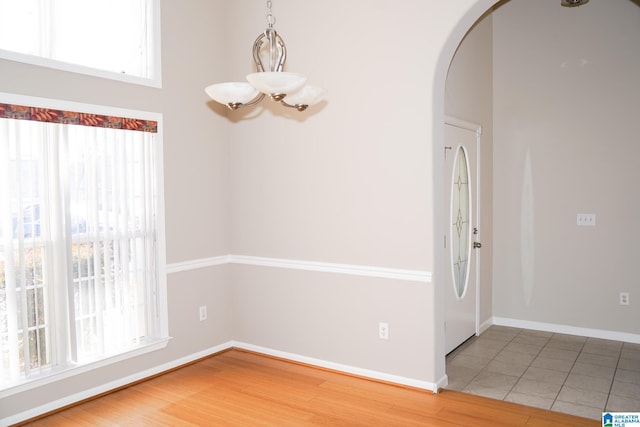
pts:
[113, 35]
[77, 244]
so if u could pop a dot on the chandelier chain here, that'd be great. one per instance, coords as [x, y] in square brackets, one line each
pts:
[288, 89]
[271, 20]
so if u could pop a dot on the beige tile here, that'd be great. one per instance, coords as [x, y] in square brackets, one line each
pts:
[601, 350]
[555, 364]
[499, 335]
[531, 339]
[565, 345]
[461, 371]
[463, 345]
[578, 410]
[457, 384]
[545, 375]
[514, 356]
[631, 346]
[486, 342]
[528, 400]
[630, 353]
[459, 376]
[556, 353]
[623, 404]
[506, 368]
[602, 347]
[627, 376]
[507, 329]
[459, 349]
[534, 333]
[566, 373]
[537, 388]
[523, 348]
[569, 338]
[598, 359]
[593, 370]
[585, 382]
[620, 388]
[482, 349]
[602, 341]
[492, 379]
[493, 392]
[629, 364]
[591, 398]
[468, 361]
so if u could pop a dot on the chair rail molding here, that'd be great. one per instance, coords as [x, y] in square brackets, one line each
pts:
[325, 267]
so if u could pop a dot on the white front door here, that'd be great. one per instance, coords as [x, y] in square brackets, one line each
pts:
[461, 233]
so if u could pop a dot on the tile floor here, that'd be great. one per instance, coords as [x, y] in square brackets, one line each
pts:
[563, 373]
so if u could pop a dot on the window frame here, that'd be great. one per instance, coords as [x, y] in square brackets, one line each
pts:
[161, 301]
[156, 60]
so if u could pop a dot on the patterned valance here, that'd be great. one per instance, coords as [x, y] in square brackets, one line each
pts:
[22, 112]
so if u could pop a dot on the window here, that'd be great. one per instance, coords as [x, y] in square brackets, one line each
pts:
[460, 222]
[116, 39]
[81, 240]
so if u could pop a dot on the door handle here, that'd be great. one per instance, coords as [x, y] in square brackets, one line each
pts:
[477, 245]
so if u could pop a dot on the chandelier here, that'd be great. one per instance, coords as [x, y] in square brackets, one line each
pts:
[269, 56]
[573, 3]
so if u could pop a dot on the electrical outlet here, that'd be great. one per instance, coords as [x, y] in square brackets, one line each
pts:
[383, 330]
[203, 312]
[624, 298]
[588, 220]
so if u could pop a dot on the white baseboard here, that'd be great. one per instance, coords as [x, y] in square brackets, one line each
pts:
[485, 325]
[366, 373]
[442, 383]
[78, 397]
[121, 382]
[567, 329]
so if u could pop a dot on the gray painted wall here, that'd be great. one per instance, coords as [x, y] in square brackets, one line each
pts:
[196, 150]
[567, 91]
[346, 183]
[354, 183]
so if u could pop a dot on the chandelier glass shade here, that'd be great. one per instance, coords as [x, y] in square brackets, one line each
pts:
[269, 56]
[232, 93]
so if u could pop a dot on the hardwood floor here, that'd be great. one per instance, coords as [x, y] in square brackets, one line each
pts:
[238, 388]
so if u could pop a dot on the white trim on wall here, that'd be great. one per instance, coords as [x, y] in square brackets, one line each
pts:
[160, 369]
[107, 387]
[463, 124]
[360, 372]
[195, 264]
[485, 325]
[325, 267]
[567, 329]
[73, 371]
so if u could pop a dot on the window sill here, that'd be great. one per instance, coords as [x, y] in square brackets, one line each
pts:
[71, 371]
[155, 82]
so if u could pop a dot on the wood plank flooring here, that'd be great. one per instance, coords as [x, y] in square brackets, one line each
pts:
[238, 388]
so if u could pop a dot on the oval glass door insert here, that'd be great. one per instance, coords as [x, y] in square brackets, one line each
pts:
[460, 223]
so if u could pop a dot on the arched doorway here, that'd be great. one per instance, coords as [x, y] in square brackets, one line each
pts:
[467, 21]
[542, 138]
